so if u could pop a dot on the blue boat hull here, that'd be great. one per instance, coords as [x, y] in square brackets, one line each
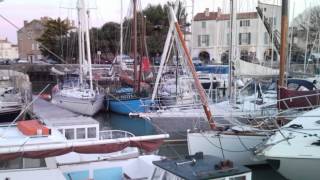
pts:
[127, 106]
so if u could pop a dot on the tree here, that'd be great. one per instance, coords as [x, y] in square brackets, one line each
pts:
[55, 39]
[309, 20]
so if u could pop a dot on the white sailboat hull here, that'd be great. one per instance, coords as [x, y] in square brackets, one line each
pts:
[82, 106]
[297, 168]
[237, 148]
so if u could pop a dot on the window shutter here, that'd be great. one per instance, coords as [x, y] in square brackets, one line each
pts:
[239, 38]
[249, 38]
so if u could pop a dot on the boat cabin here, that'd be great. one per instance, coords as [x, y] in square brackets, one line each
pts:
[198, 167]
[76, 128]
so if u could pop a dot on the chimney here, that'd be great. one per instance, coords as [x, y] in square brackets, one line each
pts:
[219, 12]
[25, 22]
[206, 12]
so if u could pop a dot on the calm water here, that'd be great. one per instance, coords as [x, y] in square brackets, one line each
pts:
[142, 127]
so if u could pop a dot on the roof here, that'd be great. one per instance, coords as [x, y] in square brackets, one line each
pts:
[219, 16]
[71, 121]
[200, 169]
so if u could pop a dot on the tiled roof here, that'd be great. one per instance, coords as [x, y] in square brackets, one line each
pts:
[216, 16]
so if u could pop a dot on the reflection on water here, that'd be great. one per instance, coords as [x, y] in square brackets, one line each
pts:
[136, 126]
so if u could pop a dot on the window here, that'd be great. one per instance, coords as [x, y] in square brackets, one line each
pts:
[203, 24]
[92, 132]
[266, 38]
[272, 21]
[244, 23]
[228, 39]
[228, 24]
[60, 130]
[69, 133]
[205, 40]
[81, 133]
[244, 38]
[199, 40]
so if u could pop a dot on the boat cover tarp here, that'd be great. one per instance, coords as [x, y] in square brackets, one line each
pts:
[297, 99]
[147, 145]
[244, 68]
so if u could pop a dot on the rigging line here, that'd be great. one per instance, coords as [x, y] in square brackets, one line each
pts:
[41, 45]
[219, 138]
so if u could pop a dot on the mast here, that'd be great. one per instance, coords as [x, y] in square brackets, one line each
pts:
[87, 36]
[232, 52]
[198, 85]
[283, 45]
[121, 31]
[167, 45]
[79, 9]
[136, 86]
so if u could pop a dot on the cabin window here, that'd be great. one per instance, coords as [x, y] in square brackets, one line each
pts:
[92, 132]
[11, 164]
[33, 163]
[22, 163]
[238, 178]
[81, 133]
[69, 133]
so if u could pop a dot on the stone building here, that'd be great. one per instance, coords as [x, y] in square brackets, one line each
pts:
[27, 39]
[211, 35]
[8, 50]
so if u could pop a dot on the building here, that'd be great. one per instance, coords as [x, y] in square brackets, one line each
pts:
[8, 50]
[27, 39]
[211, 35]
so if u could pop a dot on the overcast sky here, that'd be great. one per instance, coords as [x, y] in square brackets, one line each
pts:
[109, 10]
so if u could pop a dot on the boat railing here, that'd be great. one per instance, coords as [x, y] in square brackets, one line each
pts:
[114, 134]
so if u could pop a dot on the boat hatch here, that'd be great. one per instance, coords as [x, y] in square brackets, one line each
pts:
[199, 166]
[33, 128]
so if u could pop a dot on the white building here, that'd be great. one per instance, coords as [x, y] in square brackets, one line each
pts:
[211, 35]
[8, 50]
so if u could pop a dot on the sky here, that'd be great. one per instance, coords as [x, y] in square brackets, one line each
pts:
[103, 11]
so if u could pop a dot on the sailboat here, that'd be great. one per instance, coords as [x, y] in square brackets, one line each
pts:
[80, 97]
[129, 99]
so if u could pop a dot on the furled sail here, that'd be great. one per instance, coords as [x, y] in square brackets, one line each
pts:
[244, 68]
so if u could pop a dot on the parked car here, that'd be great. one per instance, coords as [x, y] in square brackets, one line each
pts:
[196, 61]
[125, 58]
[51, 61]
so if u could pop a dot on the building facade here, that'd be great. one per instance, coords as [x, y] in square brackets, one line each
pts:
[8, 50]
[27, 39]
[212, 35]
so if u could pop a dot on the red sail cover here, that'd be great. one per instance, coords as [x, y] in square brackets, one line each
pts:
[297, 99]
[148, 146]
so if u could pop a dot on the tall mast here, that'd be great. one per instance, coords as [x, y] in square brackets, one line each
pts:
[198, 85]
[86, 18]
[79, 9]
[121, 32]
[136, 86]
[283, 45]
[232, 51]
